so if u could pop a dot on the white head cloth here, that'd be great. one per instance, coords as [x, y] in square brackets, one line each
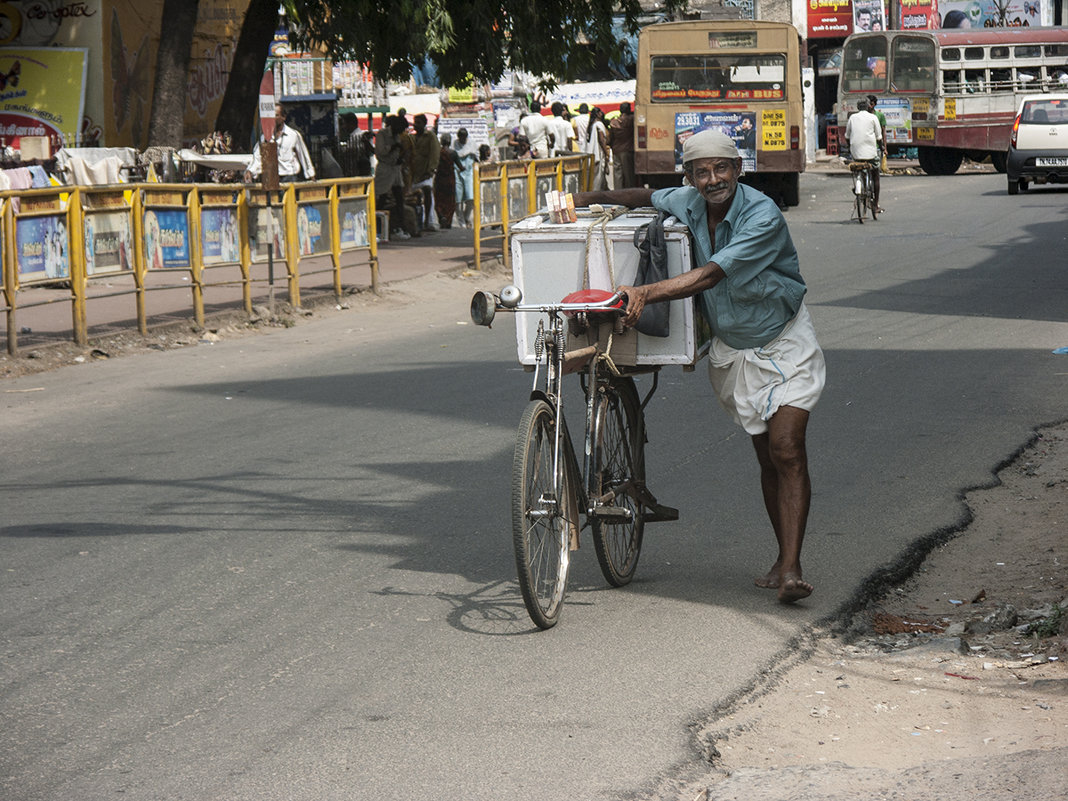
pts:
[709, 145]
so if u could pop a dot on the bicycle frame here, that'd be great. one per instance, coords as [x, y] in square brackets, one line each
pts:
[549, 348]
[553, 499]
[863, 187]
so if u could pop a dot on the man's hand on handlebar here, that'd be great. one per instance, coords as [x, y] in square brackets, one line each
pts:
[635, 299]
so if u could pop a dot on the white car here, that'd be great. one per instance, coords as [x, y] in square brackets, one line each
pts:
[1038, 146]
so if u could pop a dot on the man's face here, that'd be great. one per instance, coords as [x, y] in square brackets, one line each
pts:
[716, 179]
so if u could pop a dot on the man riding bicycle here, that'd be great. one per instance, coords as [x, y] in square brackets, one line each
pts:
[865, 137]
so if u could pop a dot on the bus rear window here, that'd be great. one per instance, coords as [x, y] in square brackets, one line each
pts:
[864, 65]
[913, 65]
[698, 78]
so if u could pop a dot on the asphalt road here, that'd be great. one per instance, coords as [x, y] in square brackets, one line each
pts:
[279, 567]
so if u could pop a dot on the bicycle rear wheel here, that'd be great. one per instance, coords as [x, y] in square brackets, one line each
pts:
[541, 511]
[861, 200]
[618, 468]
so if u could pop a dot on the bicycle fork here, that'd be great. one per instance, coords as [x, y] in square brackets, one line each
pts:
[559, 504]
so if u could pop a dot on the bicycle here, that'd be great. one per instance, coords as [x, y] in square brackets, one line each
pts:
[863, 189]
[549, 488]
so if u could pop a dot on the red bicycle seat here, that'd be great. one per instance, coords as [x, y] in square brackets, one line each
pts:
[592, 296]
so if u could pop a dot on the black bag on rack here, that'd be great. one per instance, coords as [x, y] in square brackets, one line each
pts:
[651, 243]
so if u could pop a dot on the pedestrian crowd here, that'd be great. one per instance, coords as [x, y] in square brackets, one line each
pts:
[425, 181]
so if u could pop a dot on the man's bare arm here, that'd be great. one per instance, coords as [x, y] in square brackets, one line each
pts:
[631, 198]
[686, 285]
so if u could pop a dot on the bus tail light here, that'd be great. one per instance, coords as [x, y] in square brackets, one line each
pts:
[643, 137]
[1015, 130]
[795, 137]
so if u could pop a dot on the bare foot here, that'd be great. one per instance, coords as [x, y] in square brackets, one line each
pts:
[770, 580]
[793, 588]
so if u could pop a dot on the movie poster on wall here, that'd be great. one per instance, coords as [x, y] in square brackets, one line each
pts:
[919, 15]
[352, 214]
[868, 15]
[738, 125]
[166, 239]
[489, 202]
[257, 233]
[218, 236]
[990, 13]
[517, 198]
[41, 247]
[108, 242]
[313, 228]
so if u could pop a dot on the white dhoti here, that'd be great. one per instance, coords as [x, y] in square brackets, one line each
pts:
[753, 383]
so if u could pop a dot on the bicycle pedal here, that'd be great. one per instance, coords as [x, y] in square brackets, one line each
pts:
[659, 513]
[611, 514]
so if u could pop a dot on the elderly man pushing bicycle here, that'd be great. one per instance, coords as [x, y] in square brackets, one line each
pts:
[765, 364]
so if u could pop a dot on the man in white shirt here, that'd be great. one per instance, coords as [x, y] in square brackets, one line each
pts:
[865, 137]
[293, 156]
[535, 127]
[563, 133]
[581, 124]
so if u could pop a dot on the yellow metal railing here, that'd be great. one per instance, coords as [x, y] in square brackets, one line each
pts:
[508, 191]
[208, 234]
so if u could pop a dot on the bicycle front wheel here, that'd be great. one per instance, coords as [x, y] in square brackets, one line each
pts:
[618, 475]
[541, 510]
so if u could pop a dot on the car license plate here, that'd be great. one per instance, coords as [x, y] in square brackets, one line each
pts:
[1050, 162]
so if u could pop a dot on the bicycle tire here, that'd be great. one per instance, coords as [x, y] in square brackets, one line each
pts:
[540, 521]
[860, 208]
[617, 461]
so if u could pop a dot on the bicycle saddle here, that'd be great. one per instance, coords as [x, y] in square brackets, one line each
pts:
[593, 296]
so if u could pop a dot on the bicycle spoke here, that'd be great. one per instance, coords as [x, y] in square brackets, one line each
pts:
[619, 466]
[540, 515]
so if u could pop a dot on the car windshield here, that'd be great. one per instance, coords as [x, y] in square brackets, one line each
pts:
[1053, 111]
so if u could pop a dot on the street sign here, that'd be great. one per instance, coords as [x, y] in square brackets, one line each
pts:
[267, 105]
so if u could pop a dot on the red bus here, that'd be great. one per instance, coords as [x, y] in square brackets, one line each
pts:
[951, 93]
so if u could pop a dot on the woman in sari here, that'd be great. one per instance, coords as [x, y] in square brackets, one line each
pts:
[445, 183]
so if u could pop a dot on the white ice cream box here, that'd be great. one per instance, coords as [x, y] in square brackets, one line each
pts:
[551, 260]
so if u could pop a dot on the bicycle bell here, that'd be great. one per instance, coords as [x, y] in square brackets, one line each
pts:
[511, 296]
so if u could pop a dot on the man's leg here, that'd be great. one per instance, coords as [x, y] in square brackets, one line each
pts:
[875, 186]
[787, 491]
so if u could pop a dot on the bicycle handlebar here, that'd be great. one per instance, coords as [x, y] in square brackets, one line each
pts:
[484, 305]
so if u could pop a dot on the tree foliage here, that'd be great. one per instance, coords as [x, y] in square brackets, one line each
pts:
[466, 39]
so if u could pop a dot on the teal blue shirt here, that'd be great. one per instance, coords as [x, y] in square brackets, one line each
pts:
[763, 289]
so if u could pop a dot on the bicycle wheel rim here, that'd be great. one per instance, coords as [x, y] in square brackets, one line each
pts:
[618, 462]
[860, 208]
[540, 528]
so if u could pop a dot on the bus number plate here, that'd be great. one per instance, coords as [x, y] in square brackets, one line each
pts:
[925, 133]
[1051, 162]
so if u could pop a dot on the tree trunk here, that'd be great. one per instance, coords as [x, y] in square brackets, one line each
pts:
[238, 110]
[172, 72]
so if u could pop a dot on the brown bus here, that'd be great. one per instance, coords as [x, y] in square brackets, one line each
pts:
[739, 76]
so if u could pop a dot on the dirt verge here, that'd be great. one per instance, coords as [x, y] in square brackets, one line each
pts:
[953, 685]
